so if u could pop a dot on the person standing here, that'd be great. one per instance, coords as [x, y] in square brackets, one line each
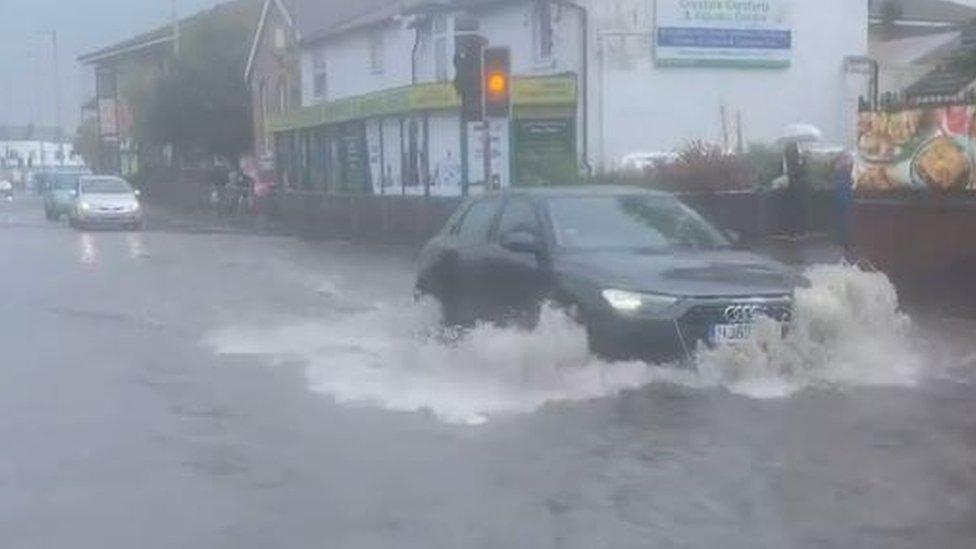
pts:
[844, 197]
[796, 189]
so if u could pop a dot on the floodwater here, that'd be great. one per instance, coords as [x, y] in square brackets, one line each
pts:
[189, 387]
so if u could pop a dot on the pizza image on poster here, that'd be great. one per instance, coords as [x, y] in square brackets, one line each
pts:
[923, 149]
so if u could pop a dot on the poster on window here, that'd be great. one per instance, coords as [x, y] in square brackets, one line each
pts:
[499, 155]
[753, 33]
[107, 119]
[930, 149]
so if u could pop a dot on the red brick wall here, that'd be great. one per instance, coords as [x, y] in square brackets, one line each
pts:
[271, 65]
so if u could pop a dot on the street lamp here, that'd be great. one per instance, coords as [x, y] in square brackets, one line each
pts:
[57, 90]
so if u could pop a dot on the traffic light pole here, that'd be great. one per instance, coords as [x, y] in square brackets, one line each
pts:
[464, 157]
[486, 142]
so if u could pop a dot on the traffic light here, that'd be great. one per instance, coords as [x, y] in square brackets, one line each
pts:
[497, 82]
[467, 78]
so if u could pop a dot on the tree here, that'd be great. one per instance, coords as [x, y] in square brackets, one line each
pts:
[201, 105]
[86, 142]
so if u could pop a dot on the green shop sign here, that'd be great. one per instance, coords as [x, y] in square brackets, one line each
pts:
[556, 90]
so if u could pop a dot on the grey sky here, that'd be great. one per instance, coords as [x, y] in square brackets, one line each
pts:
[26, 74]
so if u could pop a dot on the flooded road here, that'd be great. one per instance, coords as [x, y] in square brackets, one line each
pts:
[184, 387]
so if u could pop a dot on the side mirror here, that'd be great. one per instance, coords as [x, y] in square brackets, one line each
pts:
[522, 242]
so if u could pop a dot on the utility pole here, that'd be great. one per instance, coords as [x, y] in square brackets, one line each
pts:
[57, 93]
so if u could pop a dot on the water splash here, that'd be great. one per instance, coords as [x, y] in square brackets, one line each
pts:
[848, 330]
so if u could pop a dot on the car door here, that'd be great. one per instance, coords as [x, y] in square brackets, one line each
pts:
[472, 248]
[520, 280]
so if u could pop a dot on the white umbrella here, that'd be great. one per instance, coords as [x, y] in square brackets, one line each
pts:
[800, 133]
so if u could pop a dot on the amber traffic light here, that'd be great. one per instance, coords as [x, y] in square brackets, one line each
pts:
[497, 82]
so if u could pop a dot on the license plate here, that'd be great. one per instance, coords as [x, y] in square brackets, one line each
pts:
[724, 334]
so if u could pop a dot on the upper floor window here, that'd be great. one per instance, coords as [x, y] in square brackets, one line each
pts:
[282, 103]
[319, 78]
[542, 31]
[376, 51]
[279, 38]
[439, 31]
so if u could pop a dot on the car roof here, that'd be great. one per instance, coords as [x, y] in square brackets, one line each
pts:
[79, 171]
[89, 177]
[570, 191]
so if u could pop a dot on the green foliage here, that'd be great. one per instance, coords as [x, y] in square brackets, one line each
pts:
[201, 105]
[86, 141]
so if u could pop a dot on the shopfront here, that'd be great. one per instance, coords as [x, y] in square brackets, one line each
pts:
[409, 141]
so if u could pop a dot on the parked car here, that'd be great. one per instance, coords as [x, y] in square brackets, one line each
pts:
[643, 161]
[106, 201]
[58, 190]
[647, 276]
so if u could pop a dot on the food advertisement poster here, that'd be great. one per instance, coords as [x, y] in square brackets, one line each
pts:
[930, 149]
[737, 33]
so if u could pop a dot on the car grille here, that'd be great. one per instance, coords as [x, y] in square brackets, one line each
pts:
[712, 314]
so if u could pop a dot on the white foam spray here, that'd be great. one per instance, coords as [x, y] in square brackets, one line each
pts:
[848, 330]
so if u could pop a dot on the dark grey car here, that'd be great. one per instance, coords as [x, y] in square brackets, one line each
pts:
[647, 276]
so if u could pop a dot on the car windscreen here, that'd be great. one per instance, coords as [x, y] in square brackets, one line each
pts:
[641, 222]
[106, 185]
[62, 181]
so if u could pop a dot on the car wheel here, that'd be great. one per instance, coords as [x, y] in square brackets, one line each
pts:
[575, 312]
[450, 311]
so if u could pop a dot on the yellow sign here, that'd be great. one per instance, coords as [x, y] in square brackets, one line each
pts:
[555, 90]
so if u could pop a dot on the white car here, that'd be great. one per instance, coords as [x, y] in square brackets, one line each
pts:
[642, 161]
[105, 201]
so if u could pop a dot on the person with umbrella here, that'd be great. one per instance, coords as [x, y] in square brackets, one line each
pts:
[796, 173]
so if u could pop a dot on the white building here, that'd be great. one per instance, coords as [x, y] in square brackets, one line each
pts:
[24, 149]
[594, 81]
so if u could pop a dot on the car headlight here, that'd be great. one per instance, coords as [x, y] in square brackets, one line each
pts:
[633, 302]
[84, 206]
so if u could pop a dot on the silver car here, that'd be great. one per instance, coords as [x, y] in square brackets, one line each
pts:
[105, 201]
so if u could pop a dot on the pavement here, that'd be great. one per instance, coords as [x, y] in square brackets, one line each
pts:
[200, 386]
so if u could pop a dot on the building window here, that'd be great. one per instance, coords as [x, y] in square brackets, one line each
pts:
[279, 39]
[264, 138]
[318, 74]
[282, 104]
[439, 31]
[542, 32]
[376, 51]
[263, 98]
